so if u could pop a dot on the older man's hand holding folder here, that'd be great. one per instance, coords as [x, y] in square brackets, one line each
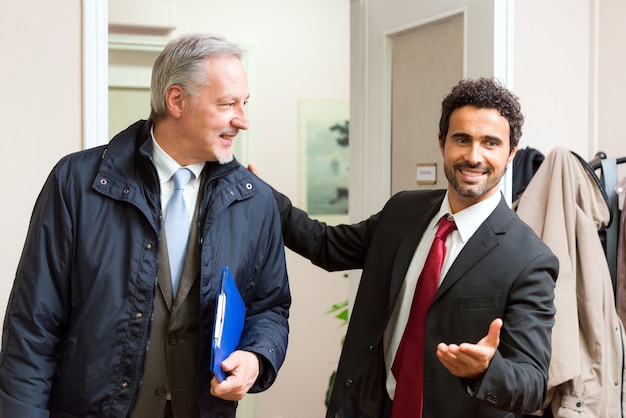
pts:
[230, 315]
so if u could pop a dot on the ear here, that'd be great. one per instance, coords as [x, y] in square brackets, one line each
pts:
[441, 141]
[512, 155]
[174, 100]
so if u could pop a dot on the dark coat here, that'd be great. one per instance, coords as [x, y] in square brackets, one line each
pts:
[503, 271]
[77, 323]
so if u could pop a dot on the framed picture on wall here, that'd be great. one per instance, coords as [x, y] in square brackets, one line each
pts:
[324, 158]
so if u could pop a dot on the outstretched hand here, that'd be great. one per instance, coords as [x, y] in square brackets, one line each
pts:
[471, 360]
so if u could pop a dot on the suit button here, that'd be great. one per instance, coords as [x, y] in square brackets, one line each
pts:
[370, 349]
[492, 398]
[159, 391]
[348, 383]
[172, 339]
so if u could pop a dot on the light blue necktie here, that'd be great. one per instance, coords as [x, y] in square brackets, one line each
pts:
[177, 226]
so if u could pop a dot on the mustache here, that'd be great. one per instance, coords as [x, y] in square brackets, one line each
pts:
[481, 167]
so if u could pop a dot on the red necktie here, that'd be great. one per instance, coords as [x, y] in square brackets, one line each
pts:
[408, 366]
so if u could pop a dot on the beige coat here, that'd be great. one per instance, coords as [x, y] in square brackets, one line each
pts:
[565, 207]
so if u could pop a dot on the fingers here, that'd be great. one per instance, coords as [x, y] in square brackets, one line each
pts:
[253, 169]
[243, 369]
[468, 360]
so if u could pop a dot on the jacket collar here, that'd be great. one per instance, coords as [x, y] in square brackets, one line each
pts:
[484, 240]
[128, 157]
[127, 172]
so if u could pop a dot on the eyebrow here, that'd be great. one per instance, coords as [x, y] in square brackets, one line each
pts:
[466, 136]
[233, 97]
[460, 135]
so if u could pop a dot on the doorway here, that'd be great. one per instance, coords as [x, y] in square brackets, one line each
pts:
[427, 61]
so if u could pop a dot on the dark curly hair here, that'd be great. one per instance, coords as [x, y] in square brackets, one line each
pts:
[483, 93]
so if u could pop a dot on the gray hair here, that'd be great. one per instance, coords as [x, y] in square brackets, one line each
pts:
[182, 62]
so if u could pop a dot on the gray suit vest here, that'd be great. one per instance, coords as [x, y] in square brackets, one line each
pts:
[171, 363]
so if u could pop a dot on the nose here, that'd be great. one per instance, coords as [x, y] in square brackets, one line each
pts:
[240, 121]
[474, 155]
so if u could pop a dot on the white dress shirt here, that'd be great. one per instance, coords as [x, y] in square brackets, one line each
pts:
[467, 222]
[166, 167]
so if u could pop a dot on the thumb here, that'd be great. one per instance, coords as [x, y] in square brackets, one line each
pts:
[493, 338]
[253, 169]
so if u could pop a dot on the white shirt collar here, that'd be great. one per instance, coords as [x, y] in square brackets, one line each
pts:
[469, 219]
[166, 166]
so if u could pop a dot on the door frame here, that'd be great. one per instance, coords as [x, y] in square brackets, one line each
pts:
[488, 51]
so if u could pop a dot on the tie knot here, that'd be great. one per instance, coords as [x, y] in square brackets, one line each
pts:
[445, 227]
[181, 177]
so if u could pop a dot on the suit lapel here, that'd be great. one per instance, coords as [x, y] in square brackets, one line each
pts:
[484, 240]
[164, 278]
[414, 230]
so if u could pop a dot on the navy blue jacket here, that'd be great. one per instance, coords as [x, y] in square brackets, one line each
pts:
[77, 322]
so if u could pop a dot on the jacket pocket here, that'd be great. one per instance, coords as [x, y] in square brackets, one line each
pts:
[476, 313]
[479, 302]
[571, 407]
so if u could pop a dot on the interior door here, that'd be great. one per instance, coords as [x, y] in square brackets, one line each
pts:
[425, 62]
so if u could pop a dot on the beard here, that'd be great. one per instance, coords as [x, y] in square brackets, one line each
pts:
[224, 156]
[476, 190]
[225, 159]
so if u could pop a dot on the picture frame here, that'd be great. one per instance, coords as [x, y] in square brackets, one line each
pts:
[324, 158]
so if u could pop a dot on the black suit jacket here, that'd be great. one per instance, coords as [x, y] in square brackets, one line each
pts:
[504, 271]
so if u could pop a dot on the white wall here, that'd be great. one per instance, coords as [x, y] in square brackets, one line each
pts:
[611, 85]
[40, 114]
[569, 61]
[553, 73]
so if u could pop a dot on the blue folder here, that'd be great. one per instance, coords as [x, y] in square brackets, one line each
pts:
[230, 315]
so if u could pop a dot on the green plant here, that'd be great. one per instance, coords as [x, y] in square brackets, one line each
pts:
[340, 310]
